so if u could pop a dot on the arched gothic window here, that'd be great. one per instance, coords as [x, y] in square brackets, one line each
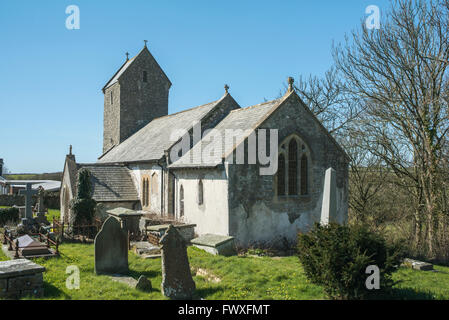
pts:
[293, 168]
[281, 175]
[181, 201]
[200, 192]
[304, 175]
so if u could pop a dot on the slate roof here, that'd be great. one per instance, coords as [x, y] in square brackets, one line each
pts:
[150, 142]
[48, 185]
[248, 118]
[111, 183]
[117, 75]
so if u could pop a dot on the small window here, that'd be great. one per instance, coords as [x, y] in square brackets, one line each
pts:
[181, 201]
[145, 79]
[200, 192]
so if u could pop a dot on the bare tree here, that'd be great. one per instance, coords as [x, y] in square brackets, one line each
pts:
[329, 100]
[400, 72]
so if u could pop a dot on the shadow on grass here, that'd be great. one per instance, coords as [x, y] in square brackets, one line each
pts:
[204, 292]
[403, 294]
[50, 291]
[149, 274]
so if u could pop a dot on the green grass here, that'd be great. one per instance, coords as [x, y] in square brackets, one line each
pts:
[241, 278]
[29, 176]
[53, 213]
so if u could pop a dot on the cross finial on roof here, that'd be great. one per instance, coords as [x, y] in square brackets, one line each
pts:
[290, 81]
[145, 42]
[127, 56]
[226, 87]
[70, 150]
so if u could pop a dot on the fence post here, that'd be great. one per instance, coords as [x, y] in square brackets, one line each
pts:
[17, 249]
[57, 246]
[10, 244]
[48, 241]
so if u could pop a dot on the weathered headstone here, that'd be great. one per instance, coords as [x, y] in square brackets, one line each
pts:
[144, 284]
[28, 193]
[40, 207]
[111, 248]
[329, 205]
[40, 200]
[177, 281]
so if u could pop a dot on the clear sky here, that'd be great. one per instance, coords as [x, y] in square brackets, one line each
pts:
[51, 77]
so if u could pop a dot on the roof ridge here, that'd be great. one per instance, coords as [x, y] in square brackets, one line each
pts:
[172, 114]
[256, 105]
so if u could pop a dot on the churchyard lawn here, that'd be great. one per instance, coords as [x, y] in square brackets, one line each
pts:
[228, 278]
[237, 277]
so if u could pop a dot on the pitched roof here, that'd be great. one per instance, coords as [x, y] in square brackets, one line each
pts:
[248, 118]
[126, 65]
[150, 142]
[111, 182]
[119, 72]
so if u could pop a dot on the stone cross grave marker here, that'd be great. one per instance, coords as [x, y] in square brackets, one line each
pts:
[28, 193]
[329, 205]
[111, 248]
[177, 281]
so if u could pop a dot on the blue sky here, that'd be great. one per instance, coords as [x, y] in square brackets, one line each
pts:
[51, 77]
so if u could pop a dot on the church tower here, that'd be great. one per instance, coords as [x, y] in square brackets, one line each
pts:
[135, 95]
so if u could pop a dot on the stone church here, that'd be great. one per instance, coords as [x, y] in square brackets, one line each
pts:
[142, 166]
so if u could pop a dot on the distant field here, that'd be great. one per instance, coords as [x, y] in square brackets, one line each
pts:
[34, 176]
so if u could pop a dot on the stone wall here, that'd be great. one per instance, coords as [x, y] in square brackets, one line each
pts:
[50, 200]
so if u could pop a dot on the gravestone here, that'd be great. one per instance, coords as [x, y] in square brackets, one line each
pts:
[40, 207]
[215, 244]
[30, 247]
[129, 218]
[111, 248]
[329, 205]
[28, 193]
[20, 278]
[177, 282]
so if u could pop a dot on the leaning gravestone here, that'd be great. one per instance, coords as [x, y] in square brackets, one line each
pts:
[111, 248]
[177, 282]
